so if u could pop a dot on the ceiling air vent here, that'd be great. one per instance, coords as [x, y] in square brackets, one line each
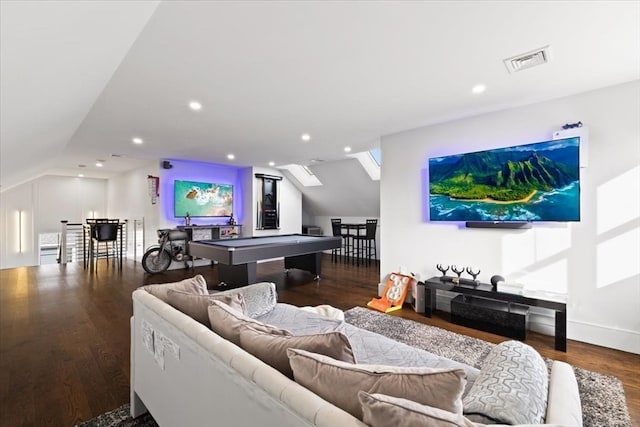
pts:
[528, 60]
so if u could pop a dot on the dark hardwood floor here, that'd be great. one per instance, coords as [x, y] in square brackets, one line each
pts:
[64, 334]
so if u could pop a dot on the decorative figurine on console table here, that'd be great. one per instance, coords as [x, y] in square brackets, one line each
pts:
[231, 221]
[443, 270]
[495, 280]
[473, 274]
[458, 271]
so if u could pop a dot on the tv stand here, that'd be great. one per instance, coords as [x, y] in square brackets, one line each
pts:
[211, 232]
[485, 290]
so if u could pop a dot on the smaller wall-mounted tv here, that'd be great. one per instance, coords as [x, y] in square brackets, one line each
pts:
[525, 183]
[202, 199]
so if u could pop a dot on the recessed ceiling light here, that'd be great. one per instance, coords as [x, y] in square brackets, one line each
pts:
[80, 175]
[306, 137]
[272, 163]
[137, 140]
[478, 88]
[347, 149]
[99, 164]
[195, 106]
[231, 156]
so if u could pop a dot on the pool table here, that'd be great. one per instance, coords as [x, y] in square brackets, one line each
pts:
[237, 258]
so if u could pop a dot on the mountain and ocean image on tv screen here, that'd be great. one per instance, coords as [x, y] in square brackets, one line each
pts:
[533, 182]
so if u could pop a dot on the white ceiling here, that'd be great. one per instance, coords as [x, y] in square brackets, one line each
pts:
[80, 79]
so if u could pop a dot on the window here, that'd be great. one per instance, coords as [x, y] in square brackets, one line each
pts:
[303, 174]
[370, 161]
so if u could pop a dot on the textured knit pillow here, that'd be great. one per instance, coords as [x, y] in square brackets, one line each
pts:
[272, 349]
[512, 387]
[193, 285]
[228, 322]
[197, 306]
[260, 298]
[339, 382]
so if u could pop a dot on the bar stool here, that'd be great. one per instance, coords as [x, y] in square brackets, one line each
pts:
[336, 253]
[103, 231]
[366, 245]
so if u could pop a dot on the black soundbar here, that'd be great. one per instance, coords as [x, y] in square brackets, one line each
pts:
[498, 224]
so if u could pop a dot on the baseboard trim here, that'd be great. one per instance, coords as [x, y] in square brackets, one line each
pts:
[605, 336]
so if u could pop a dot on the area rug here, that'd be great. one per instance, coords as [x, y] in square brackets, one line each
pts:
[603, 399]
[119, 418]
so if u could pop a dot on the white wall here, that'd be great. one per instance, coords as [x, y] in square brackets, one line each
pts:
[341, 181]
[17, 236]
[596, 261]
[44, 202]
[128, 199]
[200, 172]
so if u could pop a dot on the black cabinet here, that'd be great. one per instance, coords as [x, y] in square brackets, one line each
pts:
[498, 317]
[485, 291]
[312, 230]
[211, 232]
[269, 206]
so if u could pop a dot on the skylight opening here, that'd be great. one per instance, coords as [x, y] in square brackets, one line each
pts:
[303, 174]
[370, 161]
[376, 155]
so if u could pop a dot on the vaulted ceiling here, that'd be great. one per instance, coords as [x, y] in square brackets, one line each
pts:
[80, 79]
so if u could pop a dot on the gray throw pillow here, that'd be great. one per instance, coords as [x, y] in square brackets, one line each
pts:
[382, 411]
[339, 382]
[197, 306]
[228, 322]
[512, 387]
[272, 348]
[193, 285]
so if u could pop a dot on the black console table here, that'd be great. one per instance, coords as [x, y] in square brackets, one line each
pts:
[211, 232]
[485, 290]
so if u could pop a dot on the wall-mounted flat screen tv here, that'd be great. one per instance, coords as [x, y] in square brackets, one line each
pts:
[202, 199]
[525, 183]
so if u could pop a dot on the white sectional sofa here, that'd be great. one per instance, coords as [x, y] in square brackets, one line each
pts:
[185, 374]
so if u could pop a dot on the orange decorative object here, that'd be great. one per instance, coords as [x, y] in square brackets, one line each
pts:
[395, 291]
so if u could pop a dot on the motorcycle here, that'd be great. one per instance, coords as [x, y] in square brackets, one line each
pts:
[158, 258]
